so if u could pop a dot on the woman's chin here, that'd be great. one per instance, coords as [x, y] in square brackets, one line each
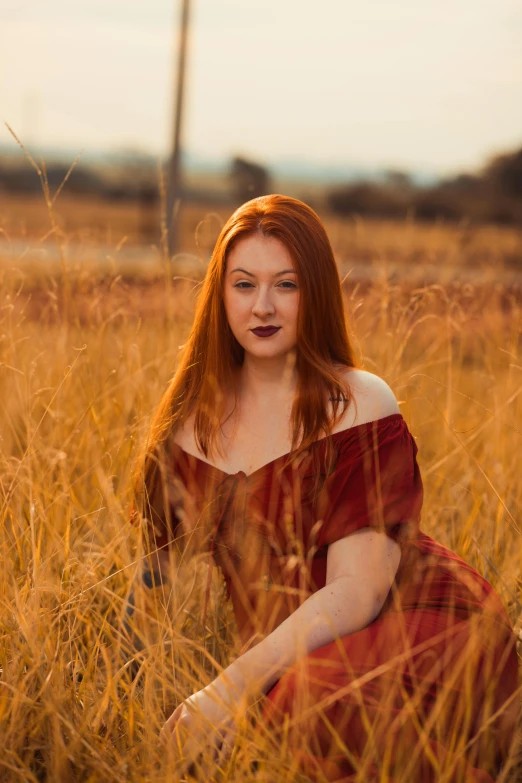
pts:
[267, 353]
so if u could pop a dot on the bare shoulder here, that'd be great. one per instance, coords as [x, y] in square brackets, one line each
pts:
[183, 435]
[373, 397]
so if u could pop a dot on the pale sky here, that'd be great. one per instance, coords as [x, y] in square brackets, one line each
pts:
[430, 84]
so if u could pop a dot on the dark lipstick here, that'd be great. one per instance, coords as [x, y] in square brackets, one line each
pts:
[265, 331]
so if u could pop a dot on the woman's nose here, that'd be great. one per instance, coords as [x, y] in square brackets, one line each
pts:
[263, 305]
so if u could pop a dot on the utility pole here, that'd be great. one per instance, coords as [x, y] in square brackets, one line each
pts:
[174, 163]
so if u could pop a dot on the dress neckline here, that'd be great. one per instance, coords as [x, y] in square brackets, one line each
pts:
[375, 422]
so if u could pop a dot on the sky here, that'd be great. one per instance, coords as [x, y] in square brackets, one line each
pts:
[404, 84]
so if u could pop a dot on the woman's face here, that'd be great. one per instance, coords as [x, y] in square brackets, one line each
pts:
[261, 290]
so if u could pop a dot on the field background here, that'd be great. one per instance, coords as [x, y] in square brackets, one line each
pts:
[90, 326]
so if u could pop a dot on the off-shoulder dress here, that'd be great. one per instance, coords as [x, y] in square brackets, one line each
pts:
[429, 685]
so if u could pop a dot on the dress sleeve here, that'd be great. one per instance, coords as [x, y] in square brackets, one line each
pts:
[376, 483]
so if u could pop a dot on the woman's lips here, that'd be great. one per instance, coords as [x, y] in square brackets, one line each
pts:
[265, 331]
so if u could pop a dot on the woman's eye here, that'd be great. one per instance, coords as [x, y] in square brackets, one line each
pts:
[244, 284]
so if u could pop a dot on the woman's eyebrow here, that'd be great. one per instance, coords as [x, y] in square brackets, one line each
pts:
[277, 274]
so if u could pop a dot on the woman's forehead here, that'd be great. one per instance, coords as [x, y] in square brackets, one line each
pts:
[258, 252]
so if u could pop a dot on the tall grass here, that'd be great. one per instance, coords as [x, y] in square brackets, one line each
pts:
[79, 379]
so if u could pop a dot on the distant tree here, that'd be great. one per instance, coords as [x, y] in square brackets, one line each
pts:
[81, 180]
[504, 172]
[20, 178]
[249, 179]
[462, 183]
[365, 198]
[436, 204]
[398, 179]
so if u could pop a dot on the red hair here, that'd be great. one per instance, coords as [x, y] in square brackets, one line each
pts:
[211, 353]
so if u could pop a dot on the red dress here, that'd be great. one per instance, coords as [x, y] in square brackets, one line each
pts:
[427, 691]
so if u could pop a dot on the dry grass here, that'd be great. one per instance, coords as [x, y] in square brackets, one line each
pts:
[84, 358]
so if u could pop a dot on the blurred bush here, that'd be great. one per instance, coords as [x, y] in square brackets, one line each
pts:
[494, 195]
[249, 180]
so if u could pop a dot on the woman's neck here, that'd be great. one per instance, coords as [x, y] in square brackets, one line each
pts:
[260, 379]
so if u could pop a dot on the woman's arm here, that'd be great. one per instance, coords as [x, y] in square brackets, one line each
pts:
[360, 571]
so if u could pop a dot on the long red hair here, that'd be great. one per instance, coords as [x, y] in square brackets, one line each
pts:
[211, 353]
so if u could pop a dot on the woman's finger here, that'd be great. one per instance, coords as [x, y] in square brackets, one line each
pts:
[171, 722]
[192, 753]
[228, 741]
[167, 730]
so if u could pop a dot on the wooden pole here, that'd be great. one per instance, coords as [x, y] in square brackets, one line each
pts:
[174, 179]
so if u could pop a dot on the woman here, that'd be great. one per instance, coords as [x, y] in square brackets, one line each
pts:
[296, 472]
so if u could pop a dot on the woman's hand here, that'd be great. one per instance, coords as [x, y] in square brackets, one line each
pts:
[206, 721]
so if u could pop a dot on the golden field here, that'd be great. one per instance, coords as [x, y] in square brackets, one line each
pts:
[88, 341]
